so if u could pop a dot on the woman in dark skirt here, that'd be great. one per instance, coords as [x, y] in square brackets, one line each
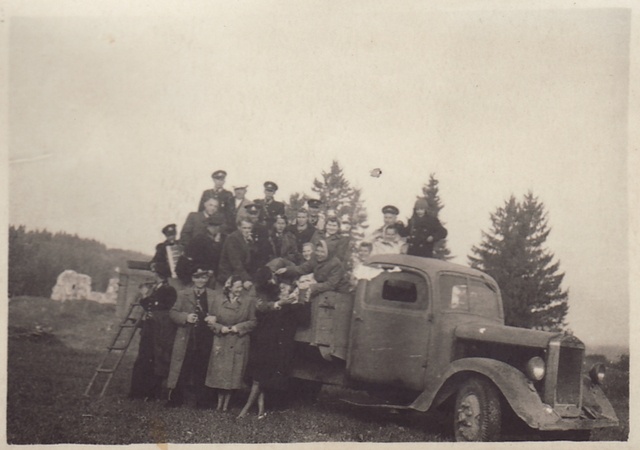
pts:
[279, 314]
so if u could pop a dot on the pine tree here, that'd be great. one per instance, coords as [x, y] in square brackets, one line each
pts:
[430, 192]
[335, 193]
[513, 253]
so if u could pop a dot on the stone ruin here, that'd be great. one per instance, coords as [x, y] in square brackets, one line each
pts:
[72, 285]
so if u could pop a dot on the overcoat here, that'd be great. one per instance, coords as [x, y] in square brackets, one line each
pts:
[272, 342]
[230, 351]
[236, 258]
[195, 224]
[161, 260]
[185, 305]
[420, 228]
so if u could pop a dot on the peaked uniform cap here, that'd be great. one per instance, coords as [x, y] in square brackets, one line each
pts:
[390, 209]
[219, 174]
[170, 230]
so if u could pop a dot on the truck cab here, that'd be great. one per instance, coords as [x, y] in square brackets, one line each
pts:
[420, 333]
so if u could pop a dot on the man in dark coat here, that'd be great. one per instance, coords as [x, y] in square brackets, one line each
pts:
[238, 254]
[224, 197]
[156, 340]
[193, 341]
[196, 222]
[316, 217]
[160, 261]
[205, 249]
[282, 243]
[303, 232]
[424, 231]
[268, 207]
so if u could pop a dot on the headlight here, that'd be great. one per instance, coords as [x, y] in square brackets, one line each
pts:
[535, 368]
[597, 373]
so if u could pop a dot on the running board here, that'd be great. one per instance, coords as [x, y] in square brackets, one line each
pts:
[374, 403]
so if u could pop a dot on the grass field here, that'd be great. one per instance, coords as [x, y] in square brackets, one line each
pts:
[54, 349]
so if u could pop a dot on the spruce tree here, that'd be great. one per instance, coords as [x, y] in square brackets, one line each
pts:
[295, 203]
[336, 193]
[513, 252]
[430, 192]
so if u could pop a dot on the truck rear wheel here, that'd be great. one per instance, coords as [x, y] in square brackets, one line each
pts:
[477, 414]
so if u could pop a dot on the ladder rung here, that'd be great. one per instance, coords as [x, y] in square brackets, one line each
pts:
[117, 348]
[105, 370]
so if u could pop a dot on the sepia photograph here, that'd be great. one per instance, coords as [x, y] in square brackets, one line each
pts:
[319, 222]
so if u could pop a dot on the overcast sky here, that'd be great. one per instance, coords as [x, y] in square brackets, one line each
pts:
[117, 121]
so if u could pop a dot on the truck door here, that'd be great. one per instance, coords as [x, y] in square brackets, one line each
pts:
[390, 330]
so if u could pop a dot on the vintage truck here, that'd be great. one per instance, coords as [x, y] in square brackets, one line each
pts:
[423, 334]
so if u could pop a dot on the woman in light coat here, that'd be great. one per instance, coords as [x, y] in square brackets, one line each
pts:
[235, 313]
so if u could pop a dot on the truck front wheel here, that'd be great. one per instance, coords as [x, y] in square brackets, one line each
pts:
[477, 413]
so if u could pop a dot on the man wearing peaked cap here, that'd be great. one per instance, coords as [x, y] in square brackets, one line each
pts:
[316, 217]
[160, 261]
[224, 197]
[389, 216]
[269, 208]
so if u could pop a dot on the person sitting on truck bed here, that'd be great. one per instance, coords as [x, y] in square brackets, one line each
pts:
[424, 231]
[328, 272]
[238, 254]
[303, 231]
[390, 244]
[203, 250]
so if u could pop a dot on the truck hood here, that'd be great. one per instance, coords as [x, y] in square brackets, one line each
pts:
[505, 335]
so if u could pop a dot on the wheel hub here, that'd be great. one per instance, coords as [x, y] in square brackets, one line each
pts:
[468, 417]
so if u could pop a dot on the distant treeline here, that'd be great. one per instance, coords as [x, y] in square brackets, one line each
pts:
[36, 258]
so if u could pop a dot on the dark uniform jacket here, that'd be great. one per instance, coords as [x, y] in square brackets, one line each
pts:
[269, 211]
[420, 228]
[237, 258]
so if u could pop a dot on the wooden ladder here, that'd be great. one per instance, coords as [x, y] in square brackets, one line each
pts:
[118, 347]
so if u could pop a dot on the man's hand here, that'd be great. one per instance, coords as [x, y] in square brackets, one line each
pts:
[281, 271]
[192, 318]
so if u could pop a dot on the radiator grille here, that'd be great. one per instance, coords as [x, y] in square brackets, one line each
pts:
[569, 376]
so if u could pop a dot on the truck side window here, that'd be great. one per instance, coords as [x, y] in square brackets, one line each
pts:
[399, 291]
[454, 292]
[483, 300]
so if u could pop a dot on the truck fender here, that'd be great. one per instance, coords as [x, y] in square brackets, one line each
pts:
[518, 391]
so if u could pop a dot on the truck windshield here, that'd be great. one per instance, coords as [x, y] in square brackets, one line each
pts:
[460, 293]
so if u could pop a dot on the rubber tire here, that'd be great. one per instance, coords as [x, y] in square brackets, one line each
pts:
[480, 398]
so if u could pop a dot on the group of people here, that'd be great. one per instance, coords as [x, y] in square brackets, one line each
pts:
[248, 275]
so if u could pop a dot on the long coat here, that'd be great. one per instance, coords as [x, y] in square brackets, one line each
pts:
[236, 258]
[230, 351]
[272, 342]
[195, 224]
[420, 229]
[185, 305]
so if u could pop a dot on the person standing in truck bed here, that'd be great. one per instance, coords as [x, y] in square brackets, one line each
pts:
[424, 231]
